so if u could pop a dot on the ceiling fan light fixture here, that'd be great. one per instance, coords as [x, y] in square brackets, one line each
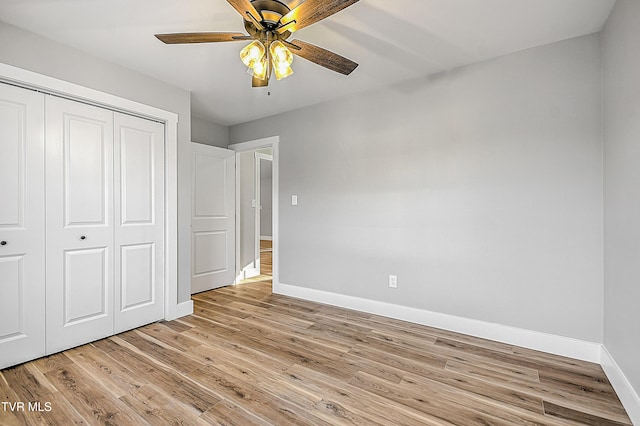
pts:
[269, 23]
[252, 53]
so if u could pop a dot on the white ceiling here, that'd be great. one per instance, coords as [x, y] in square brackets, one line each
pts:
[392, 41]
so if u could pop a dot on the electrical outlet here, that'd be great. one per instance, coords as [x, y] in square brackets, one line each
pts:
[393, 281]
[294, 200]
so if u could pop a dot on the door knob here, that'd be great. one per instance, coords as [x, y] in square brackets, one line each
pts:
[83, 237]
[3, 243]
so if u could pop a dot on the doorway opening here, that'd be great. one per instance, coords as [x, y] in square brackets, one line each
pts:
[256, 210]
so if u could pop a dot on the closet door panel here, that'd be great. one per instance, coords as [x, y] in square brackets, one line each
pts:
[85, 161]
[139, 207]
[22, 281]
[79, 223]
[85, 285]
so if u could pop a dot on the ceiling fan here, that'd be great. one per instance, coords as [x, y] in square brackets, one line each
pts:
[269, 24]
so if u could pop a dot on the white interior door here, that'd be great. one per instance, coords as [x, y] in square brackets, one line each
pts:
[139, 221]
[22, 280]
[80, 231]
[213, 217]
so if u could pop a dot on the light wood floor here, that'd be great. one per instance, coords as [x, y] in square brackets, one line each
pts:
[266, 268]
[248, 357]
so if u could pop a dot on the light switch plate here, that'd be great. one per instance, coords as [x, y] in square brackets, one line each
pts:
[294, 200]
[393, 281]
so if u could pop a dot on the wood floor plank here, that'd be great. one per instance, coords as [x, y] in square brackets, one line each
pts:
[177, 326]
[580, 417]
[160, 409]
[89, 398]
[368, 406]
[9, 416]
[493, 391]
[169, 336]
[580, 402]
[116, 378]
[226, 413]
[27, 385]
[426, 401]
[256, 400]
[492, 372]
[160, 353]
[180, 387]
[484, 402]
[250, 357]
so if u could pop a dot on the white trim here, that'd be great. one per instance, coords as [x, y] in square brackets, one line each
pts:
[184, 309]
[266, 238]
[257, 210]
[628, 396]
[34, 81]
[240, 275]
[565, 346]
[171, 310]
[250, 272]
[275, 209]
[255, 144]
[274, 143]
[263, 156]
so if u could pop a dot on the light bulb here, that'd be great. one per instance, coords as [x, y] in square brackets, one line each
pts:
[280, 55]
[282, 72]
[252, 53]
[260, 69]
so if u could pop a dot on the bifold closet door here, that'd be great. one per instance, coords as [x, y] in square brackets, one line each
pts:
[80, 225]
[139, 217]
[22, 280]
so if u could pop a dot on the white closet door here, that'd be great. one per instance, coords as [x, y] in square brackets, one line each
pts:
[22, 286]
[79, 188]
[139, 218]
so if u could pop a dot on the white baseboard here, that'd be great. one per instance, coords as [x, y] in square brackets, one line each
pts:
[184, 309]
[266, 238]
[558, 345]
[628, 396]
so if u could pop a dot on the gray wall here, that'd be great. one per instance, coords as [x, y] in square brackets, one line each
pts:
[481, 188]
[621, 64]
[209, 133]
[34, 53]
[266, 214]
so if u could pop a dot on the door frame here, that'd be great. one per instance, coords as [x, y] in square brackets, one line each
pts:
[257, 156]
[272, 142]
[53, 86]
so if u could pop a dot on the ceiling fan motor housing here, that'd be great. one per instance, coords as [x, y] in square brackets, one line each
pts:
[272, 11]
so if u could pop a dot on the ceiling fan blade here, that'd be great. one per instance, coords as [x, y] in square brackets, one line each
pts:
[248, 12]
[256, 82]
[181, 38]
[322, 57]
[310, 12]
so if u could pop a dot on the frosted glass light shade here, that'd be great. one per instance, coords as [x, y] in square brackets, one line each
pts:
[282, 72]
[260, 69]
[280, 55]
[282, 58]
[252, 53]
